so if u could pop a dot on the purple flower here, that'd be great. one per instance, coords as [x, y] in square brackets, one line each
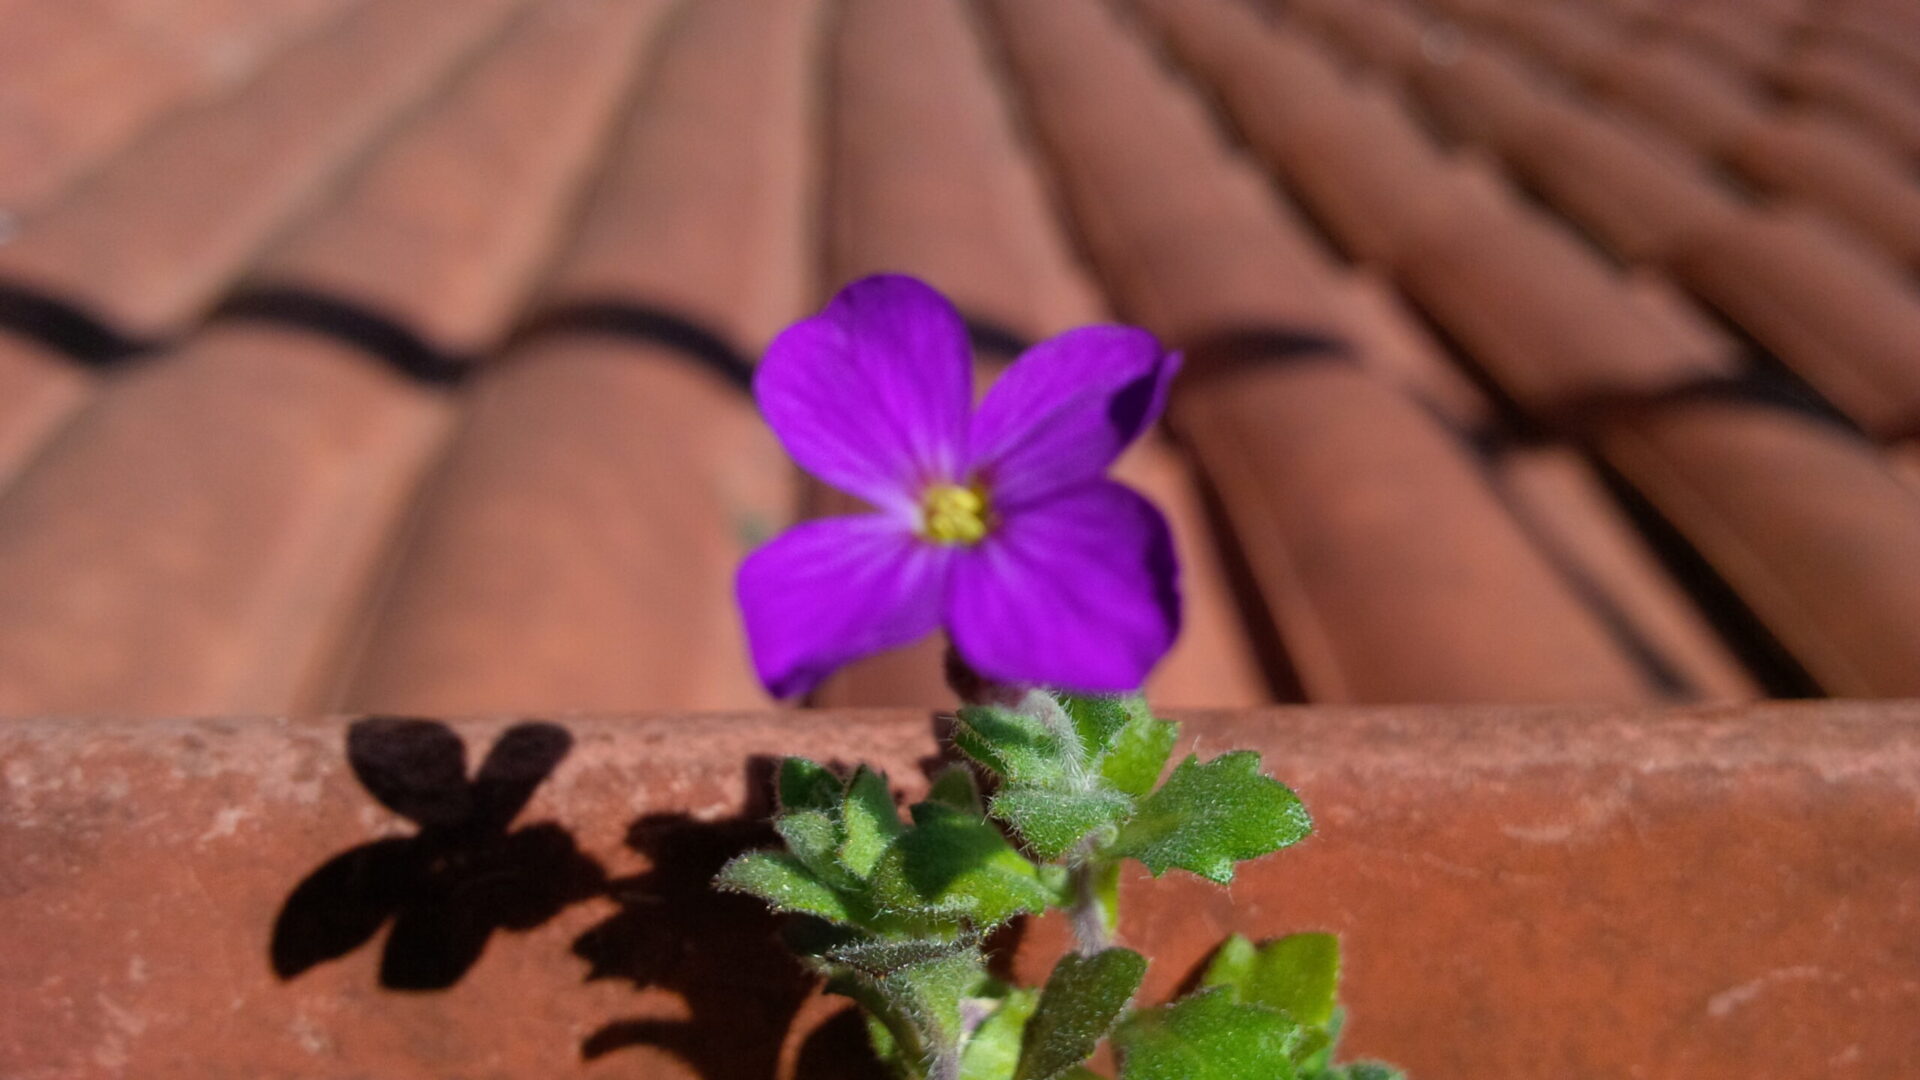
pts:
[999, 524]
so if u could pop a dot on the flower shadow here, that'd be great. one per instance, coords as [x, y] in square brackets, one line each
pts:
[464, 875]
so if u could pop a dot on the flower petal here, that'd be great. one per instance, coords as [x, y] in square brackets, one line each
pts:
[830, 591]
[1076, 592]
[1066, 409]
[872, 394]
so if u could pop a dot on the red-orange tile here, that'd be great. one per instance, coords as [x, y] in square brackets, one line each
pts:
[1663, 84]
[1550, 322]
[1567, 37]
[1636, 194]
[445, 229]
[1806, 522]
[202, 540]
[78, 80]
[1825, 164]
[1477, 93]
[1721, 894]
[1322, 466]
[577, 550]
[1561, 499]
[1385, 34]
[1842, 318]
[184, 546]
[1875, 101]
[1391, 568]
[150, 241]
[39, 389]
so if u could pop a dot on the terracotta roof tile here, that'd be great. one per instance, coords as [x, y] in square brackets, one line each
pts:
[152, 239]
[1563, 501]
[77, 80]
[1388, 34]
[1664, 85]
[1878, 102]
[1822, 162]
[1323, 469]
[1801, 516]
[578, 545]
[201, 540]
[1842, 319]
[1660, 862]
[38, 389]
[1474, 233]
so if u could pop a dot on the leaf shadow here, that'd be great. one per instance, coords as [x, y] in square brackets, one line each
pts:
[723, 954]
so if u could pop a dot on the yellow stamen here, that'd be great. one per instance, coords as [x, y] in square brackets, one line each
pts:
[952, 514]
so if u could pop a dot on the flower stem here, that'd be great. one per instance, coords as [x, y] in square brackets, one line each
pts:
[946, 1064]
[1094, 910]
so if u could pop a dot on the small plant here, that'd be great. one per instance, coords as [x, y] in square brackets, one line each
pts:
[1059, 591]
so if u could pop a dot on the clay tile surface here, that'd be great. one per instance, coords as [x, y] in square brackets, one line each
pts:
[610, 472]
[152, 238]
[393, 355]
[294, 426]
[181, 895]
[1552, 369]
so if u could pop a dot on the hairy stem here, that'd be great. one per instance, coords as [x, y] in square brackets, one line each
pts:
[1094, 910]
[946, 1064]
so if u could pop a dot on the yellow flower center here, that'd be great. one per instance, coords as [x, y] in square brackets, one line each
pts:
[952, 514]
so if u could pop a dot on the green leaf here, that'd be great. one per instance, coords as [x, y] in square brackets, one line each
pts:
[955, 787]
[1099, 718]
[879, 956]
[993, 1049]
[814, 839]
[957, 864]
[805, 785]
[1296, 974]
[1138, 756]
[930, 993]
[1083, 998]
[1206, 1037]
[870, 821]
[1052, 820]
[784, 883]
[1232, 966]
[1016, 746]
[1207, 817]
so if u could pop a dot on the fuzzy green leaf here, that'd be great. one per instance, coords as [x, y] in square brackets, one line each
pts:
[994, 1047]
[956, 864]
[1051, 820]
[869, 820]
[1296, 974]
[814, 839]
[1207, 817]
[930, 993]
[807, 785]
[955, 787]
[1016, 746]
[1138, 755]
[1099, 718]
[1085, 995]
[878, 956]
[785, 883]
[1206, 1037]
